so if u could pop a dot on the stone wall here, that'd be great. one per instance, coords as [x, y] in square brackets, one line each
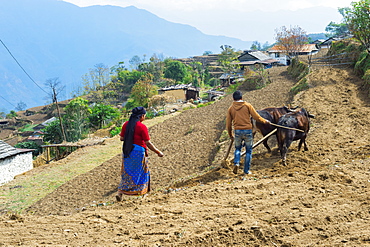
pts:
[15, 165]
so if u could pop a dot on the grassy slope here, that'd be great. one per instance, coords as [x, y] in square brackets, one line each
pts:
[18, 194]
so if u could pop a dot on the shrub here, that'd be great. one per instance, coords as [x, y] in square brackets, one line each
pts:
[299, 86]
[115, 131]
[30, 145]
[298, 69]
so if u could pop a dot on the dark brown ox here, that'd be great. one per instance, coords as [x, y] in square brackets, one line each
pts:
[299, 119]
[272, 114]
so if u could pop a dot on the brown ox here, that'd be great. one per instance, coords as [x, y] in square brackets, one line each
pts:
[299, 119]
[272, 114]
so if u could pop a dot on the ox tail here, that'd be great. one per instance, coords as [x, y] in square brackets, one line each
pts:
[254, 126]
[282, 139]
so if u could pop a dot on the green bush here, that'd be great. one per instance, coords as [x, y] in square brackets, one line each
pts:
[253, 83]
[298, 69]
[115, 131]
[205, 104]
[27, 127]
[299, 86]
[30, 145]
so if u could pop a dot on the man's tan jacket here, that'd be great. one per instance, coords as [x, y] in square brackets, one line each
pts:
[239, 115]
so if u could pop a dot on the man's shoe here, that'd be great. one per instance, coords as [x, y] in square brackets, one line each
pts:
[235, 171]
[248, 173]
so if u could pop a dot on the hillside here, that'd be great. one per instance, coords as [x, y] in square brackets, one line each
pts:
[319, 199]
[56, 39]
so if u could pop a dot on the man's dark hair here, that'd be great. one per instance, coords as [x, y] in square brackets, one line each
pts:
[237, 95]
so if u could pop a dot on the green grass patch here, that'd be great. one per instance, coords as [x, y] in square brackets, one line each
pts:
[27, 127]
[299, 86]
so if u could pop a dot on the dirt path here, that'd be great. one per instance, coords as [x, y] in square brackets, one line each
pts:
[321, 198]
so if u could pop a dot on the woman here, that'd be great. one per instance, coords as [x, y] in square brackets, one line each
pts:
[135, 174]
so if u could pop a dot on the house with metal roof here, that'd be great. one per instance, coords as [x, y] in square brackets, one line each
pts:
[248, 58]
[181, 92]
[278, 52]
[13, 161]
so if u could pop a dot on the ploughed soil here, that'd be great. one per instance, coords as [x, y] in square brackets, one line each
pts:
[321, 198]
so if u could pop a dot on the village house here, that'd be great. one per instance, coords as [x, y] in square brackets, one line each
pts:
[250, 58]
[227, 79]
[279, 53]
[13, 161]
[214, 94]
[181, 92]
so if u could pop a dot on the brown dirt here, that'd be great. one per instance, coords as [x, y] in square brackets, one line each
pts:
[321, 198]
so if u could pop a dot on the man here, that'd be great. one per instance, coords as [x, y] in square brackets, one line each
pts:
[239, 116]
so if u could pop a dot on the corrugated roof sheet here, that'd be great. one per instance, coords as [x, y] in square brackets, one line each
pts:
[259, 55]
[267, 61]
[7, 151]
[180, 86]
[303, 48]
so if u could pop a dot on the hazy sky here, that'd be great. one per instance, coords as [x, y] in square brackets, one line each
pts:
[220, 17]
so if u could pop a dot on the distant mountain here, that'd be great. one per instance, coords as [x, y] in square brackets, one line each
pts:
[51, 38]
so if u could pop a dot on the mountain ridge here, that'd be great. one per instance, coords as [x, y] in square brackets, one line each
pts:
[51, 38]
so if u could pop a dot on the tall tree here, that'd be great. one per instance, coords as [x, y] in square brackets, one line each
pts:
[135, 61]
[265, 46]
[155, 67]
[290, 39]
[357, 18]
[97, 78]
[55, 87]
[142, 91]
[127, 79]
[256, 46]
[101, 114]
[175, 70]
[21, 106]
[228, 59]
[336, 29]
[77, 112]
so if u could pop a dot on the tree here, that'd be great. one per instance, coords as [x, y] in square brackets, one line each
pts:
[96, 79]
[135, 61]
[11, 114]
[336, 29]
[21, 106]
[290, 40]
[52, 132]
[228, 59]
[76, 119]
[266, 46]
[256, 46]
[142, 91]
[357, 18]
[175, 70]
[37, 149]
[55, 89]
[101, 114]
[199, 73]
[127, 79]
[155, 67]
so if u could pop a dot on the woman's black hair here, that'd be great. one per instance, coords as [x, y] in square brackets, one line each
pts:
[128, 140]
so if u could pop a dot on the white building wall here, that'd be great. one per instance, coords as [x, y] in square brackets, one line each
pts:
[15, 165]
[281, 58]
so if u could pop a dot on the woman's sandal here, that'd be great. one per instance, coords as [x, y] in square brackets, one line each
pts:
[119, 197]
